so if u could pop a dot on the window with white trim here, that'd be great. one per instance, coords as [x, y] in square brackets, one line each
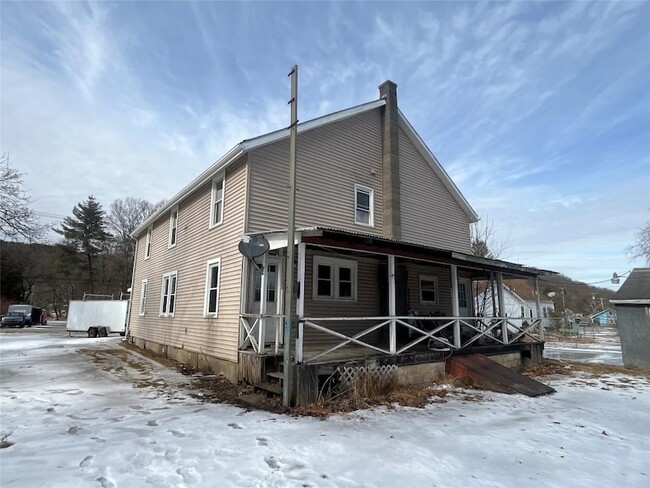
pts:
[428, 289]
[211, 302]
[143, 297]
[168, 294]
[173, 227]
[147, 246]
[216, 206]
[523, 311]
[334, 279]
[363, 206]
[462, 295]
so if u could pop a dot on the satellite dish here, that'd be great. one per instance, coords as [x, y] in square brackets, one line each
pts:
[253, 246]
[551, 294]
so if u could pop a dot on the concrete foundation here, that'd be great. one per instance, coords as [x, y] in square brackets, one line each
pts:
[194, 360]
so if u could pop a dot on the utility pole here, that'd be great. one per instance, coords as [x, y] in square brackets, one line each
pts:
[289, 320]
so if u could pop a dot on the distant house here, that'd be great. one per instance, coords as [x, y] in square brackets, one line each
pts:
[632, 302]
[383, 234]
[605, 318]
[520, 304]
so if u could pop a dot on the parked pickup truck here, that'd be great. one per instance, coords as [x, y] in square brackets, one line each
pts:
[33, 315]
[14, 319]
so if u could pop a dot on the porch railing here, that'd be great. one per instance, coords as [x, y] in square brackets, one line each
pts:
[441, 333]
[253, 331]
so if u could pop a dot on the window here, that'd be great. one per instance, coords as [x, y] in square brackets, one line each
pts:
[143, 297]
[530, 311]
[173, 227]
[168, 297]
[147, 247]
[523, 311]
[363, 206]
[334, 279]
[428, 289]
[216, 208]
[462, 295]
[545, 312]
[211, 304]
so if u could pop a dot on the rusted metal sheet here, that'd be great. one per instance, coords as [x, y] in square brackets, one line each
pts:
[490, 375]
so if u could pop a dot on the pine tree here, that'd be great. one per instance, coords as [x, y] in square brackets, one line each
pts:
[86, 233]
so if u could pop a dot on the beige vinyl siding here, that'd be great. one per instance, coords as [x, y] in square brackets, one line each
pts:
[331, 160]
[430, 214]
[196, 245]
[443, 273]
[366, 305]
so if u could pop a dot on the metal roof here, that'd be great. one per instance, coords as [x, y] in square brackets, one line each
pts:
[635, 290]
[417, 251]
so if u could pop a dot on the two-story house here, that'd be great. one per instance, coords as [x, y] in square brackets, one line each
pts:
[384, 272]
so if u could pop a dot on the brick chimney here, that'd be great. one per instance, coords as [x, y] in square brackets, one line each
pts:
[390, 161]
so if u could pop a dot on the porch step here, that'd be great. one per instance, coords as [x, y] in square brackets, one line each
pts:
[269, 387]
[278, 375]
[490, 375]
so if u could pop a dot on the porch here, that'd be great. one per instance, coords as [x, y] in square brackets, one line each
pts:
[362, 298]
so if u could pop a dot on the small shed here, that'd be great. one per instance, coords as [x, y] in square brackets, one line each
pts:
[632, 302]
[604, 318]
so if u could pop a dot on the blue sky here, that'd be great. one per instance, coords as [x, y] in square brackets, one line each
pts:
[540, 112]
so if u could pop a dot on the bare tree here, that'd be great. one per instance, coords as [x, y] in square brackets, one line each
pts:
[486, 243]
[641, 246]
[17, 219]
[124, 217]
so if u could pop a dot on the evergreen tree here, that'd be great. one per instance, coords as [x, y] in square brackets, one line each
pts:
[86, 232]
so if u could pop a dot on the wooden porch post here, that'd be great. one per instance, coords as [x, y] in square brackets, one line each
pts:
[502, 312]
[300, 303]
[539, 309]
[392, 333]
[243, 297]
[454, 305]
[263, 297]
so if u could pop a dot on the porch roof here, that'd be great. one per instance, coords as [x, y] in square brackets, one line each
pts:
[355, 241]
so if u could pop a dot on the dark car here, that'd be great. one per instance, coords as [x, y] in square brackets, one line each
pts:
[14, 319]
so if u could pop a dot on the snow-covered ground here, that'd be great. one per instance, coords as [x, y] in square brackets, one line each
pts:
[108, 417]
[605, 347]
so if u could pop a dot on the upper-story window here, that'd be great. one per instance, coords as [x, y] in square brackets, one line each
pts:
[147, 246]
[428, 289]
[523, 311]
[168, 295]
[173, 227]
[143, 297]
[334, 279]
[211, 303]
[363, 206]
[216, 207]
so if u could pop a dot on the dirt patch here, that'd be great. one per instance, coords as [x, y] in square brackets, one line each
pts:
[569, 368]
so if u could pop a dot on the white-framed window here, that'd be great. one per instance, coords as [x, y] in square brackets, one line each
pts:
[143, 297]
[212, 276]
[168, 294]
[428, 289]
[173, 227]
[216, 205]
[334, 279]
[364, 205]
[147, 245]
[523, 311]
[462, 295]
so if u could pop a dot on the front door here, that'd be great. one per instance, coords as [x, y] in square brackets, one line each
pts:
[465, 297]
[266, 296]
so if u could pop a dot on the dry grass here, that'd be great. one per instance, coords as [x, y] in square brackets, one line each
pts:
[568, 368]
[368, 391]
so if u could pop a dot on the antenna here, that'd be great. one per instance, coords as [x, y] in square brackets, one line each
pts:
[254, 246]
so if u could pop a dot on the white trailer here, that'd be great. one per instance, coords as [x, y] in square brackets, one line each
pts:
[97, 317]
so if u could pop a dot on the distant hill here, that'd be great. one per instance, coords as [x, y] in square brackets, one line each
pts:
[579, 297]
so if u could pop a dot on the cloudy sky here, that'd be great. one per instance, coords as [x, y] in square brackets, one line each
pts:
[539, 111]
